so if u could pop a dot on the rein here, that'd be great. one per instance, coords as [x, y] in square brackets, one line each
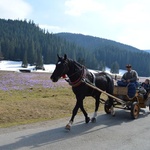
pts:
[64, 69]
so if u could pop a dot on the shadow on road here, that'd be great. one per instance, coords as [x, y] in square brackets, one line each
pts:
[58, 134]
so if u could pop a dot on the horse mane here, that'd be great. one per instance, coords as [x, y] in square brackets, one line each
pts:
[80, 65]
[77, 64]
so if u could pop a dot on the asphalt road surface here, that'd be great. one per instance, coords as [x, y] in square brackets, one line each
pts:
[108, 133]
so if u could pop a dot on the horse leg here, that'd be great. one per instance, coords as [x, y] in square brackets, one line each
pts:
[96, 109]
[87, 119]
[80, 99]
[79, 104]
[74, 112]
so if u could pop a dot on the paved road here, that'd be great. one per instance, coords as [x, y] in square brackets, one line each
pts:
[108, 133]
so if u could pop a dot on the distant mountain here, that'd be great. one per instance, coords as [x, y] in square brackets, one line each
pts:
[109, 53]
[92, 43]
[147, 51]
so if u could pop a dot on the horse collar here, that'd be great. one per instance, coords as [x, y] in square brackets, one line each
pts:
[79, 80]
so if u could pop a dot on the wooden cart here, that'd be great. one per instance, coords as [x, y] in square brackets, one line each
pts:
[123, 101]
[133, 104]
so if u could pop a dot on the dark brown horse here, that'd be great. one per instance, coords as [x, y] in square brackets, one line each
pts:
[78, 76]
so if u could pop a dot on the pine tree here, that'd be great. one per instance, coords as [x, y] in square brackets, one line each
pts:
[114, 67]
[25, 62]
[31, 53]
[1, 55]
[39, 62]
[101, 66]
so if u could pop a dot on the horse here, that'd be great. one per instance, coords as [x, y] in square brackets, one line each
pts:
[78, 75]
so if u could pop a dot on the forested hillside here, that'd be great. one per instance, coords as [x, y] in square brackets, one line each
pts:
[25, 41]
[92, 43]
[111, 53]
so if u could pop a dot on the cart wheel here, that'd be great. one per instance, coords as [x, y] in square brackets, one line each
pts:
[135, 110]
[107, 107]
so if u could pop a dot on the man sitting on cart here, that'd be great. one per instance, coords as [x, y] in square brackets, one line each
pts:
[129, 79]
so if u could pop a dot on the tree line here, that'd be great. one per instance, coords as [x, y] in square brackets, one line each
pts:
[112, 54]
[24, 40]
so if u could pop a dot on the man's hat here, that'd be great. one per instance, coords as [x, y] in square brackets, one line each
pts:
[128, 66]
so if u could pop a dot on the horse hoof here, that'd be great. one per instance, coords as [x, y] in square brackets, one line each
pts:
[87, 119]
[93, 120]
[113, 114]
[68, 127]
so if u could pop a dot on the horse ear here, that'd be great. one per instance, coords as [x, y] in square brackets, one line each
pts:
[58, 56]
[65, 56]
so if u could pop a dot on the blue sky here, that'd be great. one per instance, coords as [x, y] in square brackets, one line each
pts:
[125, 21]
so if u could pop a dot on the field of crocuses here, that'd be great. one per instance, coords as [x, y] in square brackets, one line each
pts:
[20, 81]
[33, 97]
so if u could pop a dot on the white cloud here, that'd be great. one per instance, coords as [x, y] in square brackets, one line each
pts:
[132, 13]
[50, 28]
[14, 9]
[138, 38]
[128, 23]
[57, 29]
[132, 23]
[79, 7]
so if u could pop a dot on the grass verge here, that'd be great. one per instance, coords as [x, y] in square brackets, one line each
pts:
[38, 104]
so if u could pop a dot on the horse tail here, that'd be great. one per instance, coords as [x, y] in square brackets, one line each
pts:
[110, 88]
[110, 80]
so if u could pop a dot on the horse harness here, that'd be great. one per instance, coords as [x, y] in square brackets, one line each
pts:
[82, 79]
[79, 80]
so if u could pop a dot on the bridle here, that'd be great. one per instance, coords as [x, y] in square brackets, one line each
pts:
[78, 81]
[65, 68]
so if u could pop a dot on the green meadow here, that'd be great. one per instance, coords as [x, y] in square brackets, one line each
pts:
[32, 97]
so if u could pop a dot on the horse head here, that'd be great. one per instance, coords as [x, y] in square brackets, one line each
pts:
[61, 68]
